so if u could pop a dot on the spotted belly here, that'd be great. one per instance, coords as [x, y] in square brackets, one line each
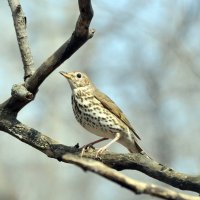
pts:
[95, 118]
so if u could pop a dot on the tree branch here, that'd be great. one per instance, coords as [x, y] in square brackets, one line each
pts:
[126, 182]
[138, 162]
[78, 38]
[22, 38]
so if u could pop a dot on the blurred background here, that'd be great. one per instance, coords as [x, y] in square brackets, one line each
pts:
[144, 55]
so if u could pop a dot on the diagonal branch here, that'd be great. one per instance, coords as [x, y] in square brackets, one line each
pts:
[79, 37]
[116, 161]
[72, 155]
[126, 182]
[22, 38]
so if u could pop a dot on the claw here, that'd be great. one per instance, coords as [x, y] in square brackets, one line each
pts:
[85, 147]
[100, 151]
[82, 152]
[90, 145]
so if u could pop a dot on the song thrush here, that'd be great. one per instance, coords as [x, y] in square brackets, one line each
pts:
[97, 113]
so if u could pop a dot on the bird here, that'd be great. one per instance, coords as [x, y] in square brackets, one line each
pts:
[100, 115]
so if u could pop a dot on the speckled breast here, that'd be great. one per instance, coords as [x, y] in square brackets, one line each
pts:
[90, 113]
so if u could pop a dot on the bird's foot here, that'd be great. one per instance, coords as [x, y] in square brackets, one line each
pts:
[100, 151]
[85, 148]
[82, 152]
[90, 145]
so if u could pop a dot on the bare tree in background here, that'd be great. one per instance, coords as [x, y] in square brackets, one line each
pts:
[106, 166]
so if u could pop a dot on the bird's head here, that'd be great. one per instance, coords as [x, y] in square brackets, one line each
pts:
[76, 79]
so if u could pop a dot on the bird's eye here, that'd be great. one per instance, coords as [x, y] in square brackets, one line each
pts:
[78, 75]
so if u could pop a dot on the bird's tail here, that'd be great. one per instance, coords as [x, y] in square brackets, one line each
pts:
[135, 148]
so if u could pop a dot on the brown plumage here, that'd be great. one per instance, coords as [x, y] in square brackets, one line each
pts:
[97, 113]
[113, 108]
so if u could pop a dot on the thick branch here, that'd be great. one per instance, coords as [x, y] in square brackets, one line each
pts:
[78, 38]
[117, 161]
[22, 38]
[126, 182]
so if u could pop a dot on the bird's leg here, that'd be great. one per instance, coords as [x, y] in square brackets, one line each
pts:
[95, 142]
[102, 149]
[91, 144]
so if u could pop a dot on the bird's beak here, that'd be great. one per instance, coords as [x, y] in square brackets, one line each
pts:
[66, 75]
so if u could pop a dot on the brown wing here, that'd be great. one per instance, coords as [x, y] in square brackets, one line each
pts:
[113, 108]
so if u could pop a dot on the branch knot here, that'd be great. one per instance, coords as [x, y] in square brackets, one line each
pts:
[20, 92]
